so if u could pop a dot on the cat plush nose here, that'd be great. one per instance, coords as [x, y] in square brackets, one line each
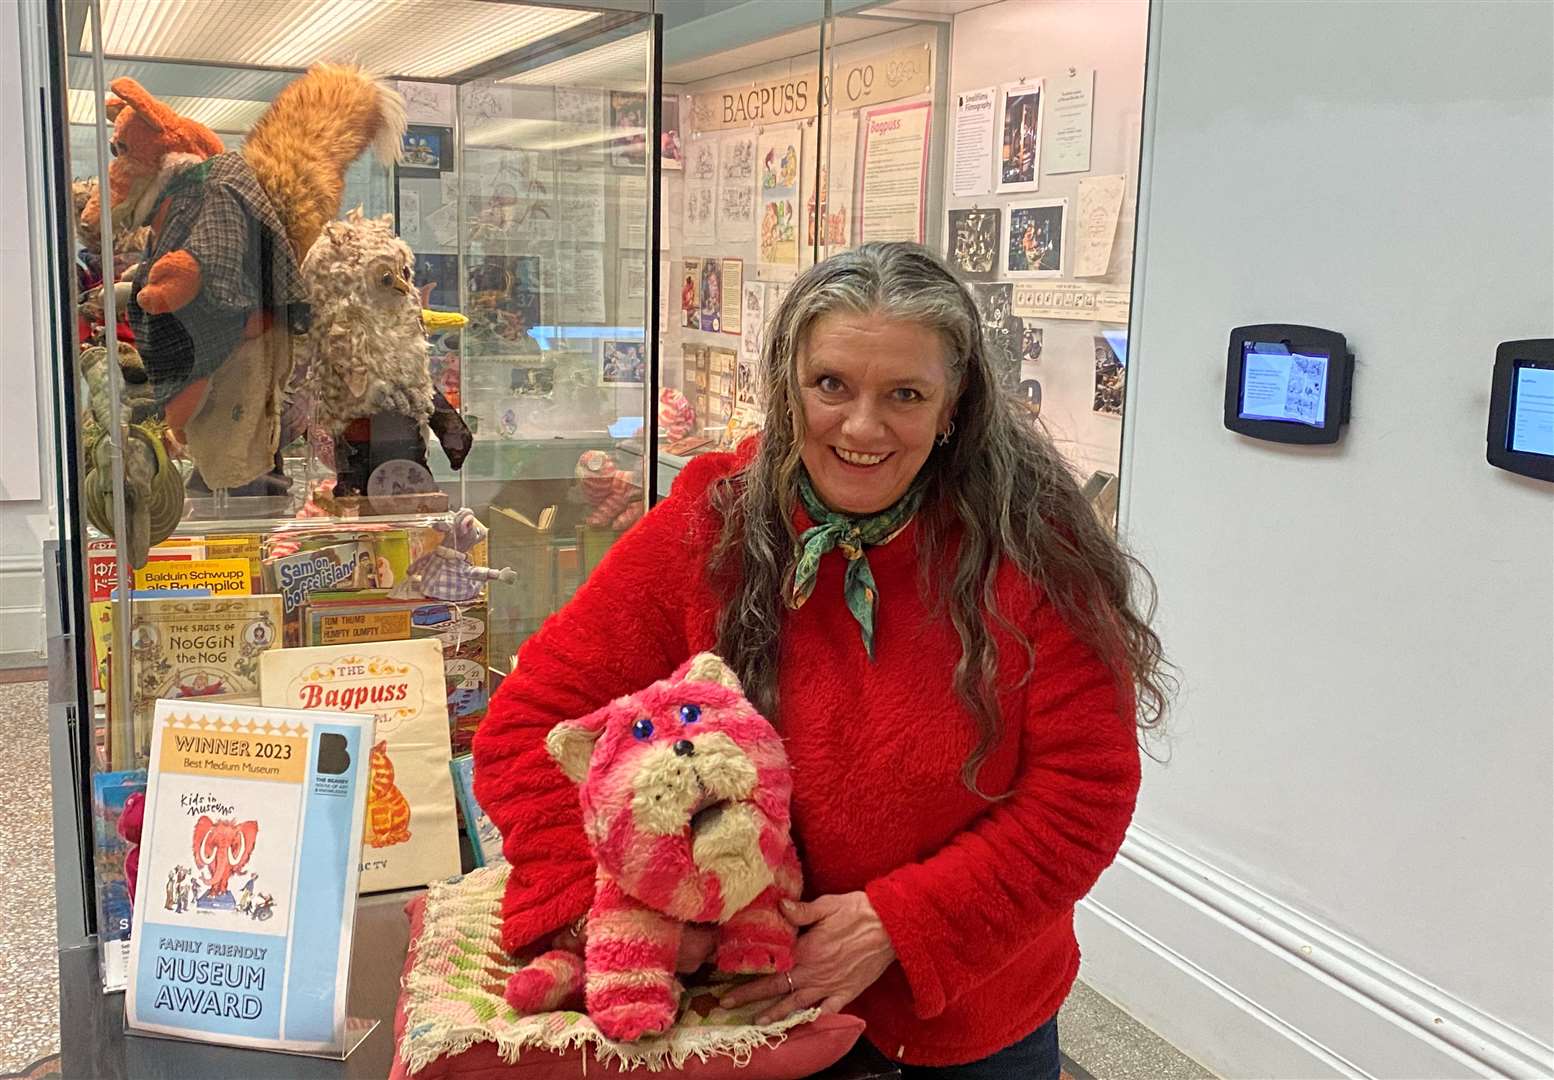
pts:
[684, 748]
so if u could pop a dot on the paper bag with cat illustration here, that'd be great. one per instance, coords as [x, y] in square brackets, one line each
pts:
[411, 834]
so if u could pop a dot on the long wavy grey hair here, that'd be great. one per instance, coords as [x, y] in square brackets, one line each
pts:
[999, 482]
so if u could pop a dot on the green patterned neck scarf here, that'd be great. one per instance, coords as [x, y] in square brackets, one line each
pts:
[852, 535]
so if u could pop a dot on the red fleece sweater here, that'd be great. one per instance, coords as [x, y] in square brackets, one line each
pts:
[977, 897]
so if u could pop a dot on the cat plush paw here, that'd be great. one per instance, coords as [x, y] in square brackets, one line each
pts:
[632, 1020]
[754, 957]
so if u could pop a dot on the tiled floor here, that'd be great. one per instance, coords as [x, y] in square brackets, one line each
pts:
[29, 980]
[1101, 1041]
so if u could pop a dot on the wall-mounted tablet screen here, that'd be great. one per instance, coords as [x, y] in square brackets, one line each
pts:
[1532, 410]
[1285, 385]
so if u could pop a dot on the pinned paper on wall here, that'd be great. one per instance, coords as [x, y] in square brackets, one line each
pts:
[753, 320]
[580, 203]
[701, 191]
[976, 113]
[736, 189]
[632, 207]
[1095, 227]
[830, 223]
[733, 295]
[1071, 102]
[777, 166]
[895, 173]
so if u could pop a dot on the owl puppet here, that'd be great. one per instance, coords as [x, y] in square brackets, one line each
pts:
[364, 367]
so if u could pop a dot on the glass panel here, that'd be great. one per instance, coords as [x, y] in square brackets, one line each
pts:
[419, 388]
[1044, 229]
[742, 87]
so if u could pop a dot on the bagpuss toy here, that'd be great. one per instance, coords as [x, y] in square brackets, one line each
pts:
[685, 791]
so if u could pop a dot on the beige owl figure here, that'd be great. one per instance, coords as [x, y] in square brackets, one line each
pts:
[366, 349]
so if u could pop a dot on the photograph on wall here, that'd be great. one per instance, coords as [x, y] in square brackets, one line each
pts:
[503, 301]
[690, 294]
[628, 121]
[1110, 375]
[1030, 343]
[736, 189]
[1002, 329]
[622, 364]
[1028, 394]
[712, 295]
[1019, 154]
[746, 383]
[973, 242]
[671, 154]
[777, 164]
[701, 191]
[1034, 240]
[532, 380]
[425, 151]
[437, 280]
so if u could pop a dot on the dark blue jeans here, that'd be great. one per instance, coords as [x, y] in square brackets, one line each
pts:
[1034, 1057]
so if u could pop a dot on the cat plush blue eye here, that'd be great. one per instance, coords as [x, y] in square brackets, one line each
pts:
[689, 714]
[643, 729]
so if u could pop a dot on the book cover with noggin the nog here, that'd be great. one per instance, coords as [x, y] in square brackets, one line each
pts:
[411, 833]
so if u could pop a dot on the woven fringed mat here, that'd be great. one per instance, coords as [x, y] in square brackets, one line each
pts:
[452, 997]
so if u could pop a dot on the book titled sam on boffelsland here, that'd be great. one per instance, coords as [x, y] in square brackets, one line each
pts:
[246, 896]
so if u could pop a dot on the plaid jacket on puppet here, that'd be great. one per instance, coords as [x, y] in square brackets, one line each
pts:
[217, 212]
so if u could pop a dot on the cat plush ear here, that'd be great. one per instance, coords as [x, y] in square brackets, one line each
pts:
[571, 743]
[709, 667]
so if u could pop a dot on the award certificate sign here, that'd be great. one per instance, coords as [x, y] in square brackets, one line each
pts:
[246, 902]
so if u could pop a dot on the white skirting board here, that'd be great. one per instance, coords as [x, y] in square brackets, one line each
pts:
[1253, 988]
[21, 608]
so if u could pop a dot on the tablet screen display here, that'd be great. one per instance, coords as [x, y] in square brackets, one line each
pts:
[1281, 385]
[1532, 410]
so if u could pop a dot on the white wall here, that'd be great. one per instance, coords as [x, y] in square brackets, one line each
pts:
[1016, 39]
[1347, 867]
[26, 445]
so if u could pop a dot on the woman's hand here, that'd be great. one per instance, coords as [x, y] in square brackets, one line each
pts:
[838, 957]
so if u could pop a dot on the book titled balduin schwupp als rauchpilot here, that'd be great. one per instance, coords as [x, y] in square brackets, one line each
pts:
[246, 895]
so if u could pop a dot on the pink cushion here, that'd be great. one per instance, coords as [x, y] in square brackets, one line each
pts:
[807, 1049]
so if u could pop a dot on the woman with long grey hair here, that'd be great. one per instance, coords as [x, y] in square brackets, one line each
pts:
[906, 579]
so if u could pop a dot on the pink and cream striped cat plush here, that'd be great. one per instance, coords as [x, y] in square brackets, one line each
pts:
[685, 790]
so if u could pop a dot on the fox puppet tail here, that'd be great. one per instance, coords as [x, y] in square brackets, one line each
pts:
[317, 126]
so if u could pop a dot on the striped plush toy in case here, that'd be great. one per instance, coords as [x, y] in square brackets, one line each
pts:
[684, 791]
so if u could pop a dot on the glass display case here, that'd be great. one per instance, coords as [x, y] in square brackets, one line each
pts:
[1004, 136]
[411, 350]
[380, 332]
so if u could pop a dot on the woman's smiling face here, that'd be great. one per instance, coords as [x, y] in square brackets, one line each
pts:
[876, 392]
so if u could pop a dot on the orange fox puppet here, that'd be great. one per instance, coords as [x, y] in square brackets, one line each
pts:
[214, 300]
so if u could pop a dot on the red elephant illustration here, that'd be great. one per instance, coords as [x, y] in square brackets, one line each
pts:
[222, 848]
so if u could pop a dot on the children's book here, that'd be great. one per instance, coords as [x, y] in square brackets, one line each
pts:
[185, 648]
[109, 848]
[484, 838]
[412, 836]
[338, 567]
[460, 628]
[246, 901]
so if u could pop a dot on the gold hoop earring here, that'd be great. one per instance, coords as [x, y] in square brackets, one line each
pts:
[944, 436]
